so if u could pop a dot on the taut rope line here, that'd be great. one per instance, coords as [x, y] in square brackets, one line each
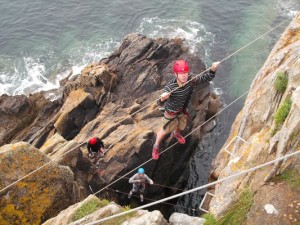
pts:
[198, 188]
[79, 145]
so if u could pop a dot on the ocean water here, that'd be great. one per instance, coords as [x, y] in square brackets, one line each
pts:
[42, 41]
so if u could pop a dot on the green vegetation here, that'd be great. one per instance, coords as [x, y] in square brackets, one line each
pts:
[236, 215]
[88, 208]
[281, 82]
[282, 114]
[209, 219]
[291, 177]
[95, 204]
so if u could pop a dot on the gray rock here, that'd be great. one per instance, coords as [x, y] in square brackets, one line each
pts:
[149, 218]
[183, 219]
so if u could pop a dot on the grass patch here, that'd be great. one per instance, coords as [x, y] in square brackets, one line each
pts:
[121, 219]
[88, 208]
[281, 82]
[282, 113]
[209, 219]
[237, 214]
[291, 177]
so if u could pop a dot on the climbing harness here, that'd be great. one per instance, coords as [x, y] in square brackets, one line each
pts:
[199, 188]
[79, 145]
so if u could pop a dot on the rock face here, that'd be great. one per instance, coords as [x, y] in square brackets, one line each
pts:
[67, 216]
[183, 219]
[115, 100]
[140, 217]
[255, 124]
[37, 197]
[285, 206]
[22, 117]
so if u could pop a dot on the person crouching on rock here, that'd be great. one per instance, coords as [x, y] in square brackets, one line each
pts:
[95, 148]
[175, 98]
[138, 180]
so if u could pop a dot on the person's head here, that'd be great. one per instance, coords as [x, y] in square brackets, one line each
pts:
[141, 171]
[93, 141]
[181, 70]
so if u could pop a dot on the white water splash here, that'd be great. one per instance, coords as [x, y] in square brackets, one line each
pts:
[195, 34]
[288, 8]
[27, 75]
[33, 77]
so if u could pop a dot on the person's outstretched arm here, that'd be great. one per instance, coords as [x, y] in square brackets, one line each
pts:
[209, 75]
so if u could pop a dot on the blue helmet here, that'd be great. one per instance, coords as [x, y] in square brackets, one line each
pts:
[141, 170]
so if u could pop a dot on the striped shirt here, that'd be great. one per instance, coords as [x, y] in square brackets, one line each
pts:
[179, 99]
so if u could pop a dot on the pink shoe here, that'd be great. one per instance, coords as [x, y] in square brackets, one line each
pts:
[178, 137]
[155, 152]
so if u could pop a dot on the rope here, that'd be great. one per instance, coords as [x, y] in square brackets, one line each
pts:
[240, 49]
[173, 144]
[155, 184]
[211, 117]
[198, 188]
[136, 113]
[32, 172]
[152, 200]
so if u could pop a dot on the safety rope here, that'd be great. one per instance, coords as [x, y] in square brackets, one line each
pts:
[152, 200]
[240, 49]
[22, 178]
[230, 55]
[198, 188]
[172, 145]
[155, 184]
[39, 168]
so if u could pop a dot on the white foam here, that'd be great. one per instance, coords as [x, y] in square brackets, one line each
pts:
[30, 74]
[288, 8]
[195, 34]
[32, 79]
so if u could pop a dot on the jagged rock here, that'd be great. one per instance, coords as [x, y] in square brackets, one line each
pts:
[255, 124]
[40, 195]
[78, 109]
[183, 219]
[69, 154]
[115, 100]
[93, 75]
[22, 116]
[67, 216]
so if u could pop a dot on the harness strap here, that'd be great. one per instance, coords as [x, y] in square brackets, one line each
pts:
[175, 114]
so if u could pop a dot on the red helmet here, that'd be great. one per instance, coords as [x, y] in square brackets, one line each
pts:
[93, 141]
[181, 66]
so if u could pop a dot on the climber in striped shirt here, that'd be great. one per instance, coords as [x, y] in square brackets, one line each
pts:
[175, 97]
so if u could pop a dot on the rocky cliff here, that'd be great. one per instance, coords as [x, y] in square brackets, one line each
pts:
[115, 100]
[269, 125]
